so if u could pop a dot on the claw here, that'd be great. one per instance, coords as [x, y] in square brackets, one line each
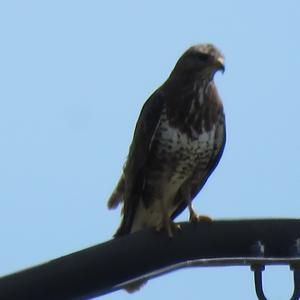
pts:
[194, 218]
[202, 218]
[173, 228]
[170, 227]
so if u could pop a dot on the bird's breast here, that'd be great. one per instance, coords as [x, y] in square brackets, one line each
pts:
[174, 156]
[179, 153]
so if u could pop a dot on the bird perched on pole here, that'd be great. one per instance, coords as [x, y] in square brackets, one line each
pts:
[178, 141]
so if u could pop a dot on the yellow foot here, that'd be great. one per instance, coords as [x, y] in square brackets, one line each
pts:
[170, 227]
[194, 218]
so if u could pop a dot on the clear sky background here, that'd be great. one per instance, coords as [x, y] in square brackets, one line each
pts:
[73, 78]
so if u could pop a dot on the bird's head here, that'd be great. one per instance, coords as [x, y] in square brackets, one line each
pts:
[204, 60]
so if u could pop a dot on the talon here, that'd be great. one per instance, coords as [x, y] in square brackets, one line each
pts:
[205, 219]
[170, 227]
[194, 218]
[175, 227]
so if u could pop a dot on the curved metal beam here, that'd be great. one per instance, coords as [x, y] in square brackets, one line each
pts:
[106, 267]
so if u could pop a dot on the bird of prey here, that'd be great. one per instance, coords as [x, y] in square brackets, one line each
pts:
[178, 141]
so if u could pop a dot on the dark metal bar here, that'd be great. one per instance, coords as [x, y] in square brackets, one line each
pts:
[104, 268]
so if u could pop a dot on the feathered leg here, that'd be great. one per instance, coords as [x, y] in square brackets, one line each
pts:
[167, 224]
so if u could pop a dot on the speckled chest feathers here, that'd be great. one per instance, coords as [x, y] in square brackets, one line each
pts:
[184, 143]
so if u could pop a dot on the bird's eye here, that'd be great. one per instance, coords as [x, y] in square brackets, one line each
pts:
[203, 56]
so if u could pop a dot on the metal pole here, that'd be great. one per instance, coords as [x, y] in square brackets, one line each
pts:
[104, 268]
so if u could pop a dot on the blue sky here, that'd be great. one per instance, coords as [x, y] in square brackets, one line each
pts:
[74, 76]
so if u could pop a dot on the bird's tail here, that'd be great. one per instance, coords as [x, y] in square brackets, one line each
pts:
[117, 196]
[123, 229]
[135, 286]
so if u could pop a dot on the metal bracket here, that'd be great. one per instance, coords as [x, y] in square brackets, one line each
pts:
[258, 269]
[258, 249]
[295, 251]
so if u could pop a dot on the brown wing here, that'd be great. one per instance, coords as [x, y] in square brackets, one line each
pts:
[194, 184]
[138, 155]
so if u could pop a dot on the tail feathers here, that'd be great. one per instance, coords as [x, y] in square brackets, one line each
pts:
[123, 229]
[135, 286]
[117, 196]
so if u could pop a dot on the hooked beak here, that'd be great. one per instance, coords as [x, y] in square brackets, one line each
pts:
[220, 64]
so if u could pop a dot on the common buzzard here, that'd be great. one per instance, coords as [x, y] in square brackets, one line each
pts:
[178, 141]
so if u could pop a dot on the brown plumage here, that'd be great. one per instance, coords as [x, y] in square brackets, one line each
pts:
[178, 141]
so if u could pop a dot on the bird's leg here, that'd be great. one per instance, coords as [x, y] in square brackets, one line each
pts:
[193, 215]
[167, 224]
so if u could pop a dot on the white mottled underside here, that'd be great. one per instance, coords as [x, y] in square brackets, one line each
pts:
[184, 154]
